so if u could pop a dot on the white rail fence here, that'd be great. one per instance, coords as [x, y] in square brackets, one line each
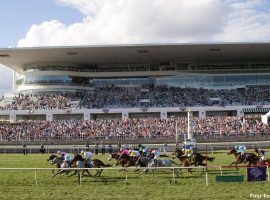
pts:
[117, 168]
[212, 146]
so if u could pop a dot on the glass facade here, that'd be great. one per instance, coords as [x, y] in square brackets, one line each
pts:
[183, 80]
[217, 80]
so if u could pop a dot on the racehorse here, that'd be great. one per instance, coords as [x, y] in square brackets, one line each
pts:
[79, 164]
[124, 161]
[184, 160]
[55, 160]
[196, 160]
[64, 166]
[251, 158]
[96, 163]
[149, 163]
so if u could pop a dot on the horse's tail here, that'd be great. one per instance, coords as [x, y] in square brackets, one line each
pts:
[165, 156]
[173, 162]
[210, 158]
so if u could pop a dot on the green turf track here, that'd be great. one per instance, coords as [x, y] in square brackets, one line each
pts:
[21, 185]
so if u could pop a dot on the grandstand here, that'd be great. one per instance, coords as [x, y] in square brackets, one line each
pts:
[119, 86]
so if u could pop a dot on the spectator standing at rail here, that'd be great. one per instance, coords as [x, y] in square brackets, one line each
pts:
[118, 146]
[24, 149]
[87, 146]
[75, 149]
[110, 149]
[42, 149]
[96, 149]
[165, 146]
[102, 148]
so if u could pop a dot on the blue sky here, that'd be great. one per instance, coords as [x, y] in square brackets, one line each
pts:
[17, 16]
[30, 23]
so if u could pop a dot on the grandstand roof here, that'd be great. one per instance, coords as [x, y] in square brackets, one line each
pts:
[15, 58]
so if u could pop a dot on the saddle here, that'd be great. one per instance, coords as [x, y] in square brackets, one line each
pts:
[89, 163]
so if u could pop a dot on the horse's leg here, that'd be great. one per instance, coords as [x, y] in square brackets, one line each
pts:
[97, 171]
[141, 173]
[56, 174]
[176, 171]
[75, 172]
[79, 177]
[136, 170]
[236, 165]
[88, 172]
[100, 172]
[116, 164]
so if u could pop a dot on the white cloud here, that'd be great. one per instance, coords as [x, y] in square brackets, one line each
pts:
[156, 21]
[249, 21]
[133, 21]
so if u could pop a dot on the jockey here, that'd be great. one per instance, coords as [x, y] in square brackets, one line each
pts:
[156, 155]
[261, 154]
[149, 152]
[65, 156]
[188, 150]
[240, 149]
[143, 149]
[62, 154]
[133, 153]
[123, 153]
[87, 155]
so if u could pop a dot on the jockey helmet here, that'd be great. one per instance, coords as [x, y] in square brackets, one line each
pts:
[58, 152]
[82, 151]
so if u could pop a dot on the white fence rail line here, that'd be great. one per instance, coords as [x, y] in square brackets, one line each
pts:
[116, 168]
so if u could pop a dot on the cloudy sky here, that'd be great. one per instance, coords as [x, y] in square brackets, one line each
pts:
[88, 22]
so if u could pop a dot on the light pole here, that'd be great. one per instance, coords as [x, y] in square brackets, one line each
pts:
[190, 125]
[176, 131]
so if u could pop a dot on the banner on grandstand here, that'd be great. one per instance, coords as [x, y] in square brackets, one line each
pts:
[144, 109]
[30, 112]
[105, 110]
[256, 173]
[259, 105]
[182, 109]
[221, 103]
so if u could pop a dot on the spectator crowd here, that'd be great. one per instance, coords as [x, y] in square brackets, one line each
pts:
[130, 97]
[150, 128]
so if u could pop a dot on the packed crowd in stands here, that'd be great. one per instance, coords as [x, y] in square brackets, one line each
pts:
[150, 128]
[158, 96]
[41, 101]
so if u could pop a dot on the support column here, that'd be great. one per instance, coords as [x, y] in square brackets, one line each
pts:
[163, 115]
[125, 115]
[202, 113]
[240, 113]
[49, 117]
[86, 116]
[12, 117]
